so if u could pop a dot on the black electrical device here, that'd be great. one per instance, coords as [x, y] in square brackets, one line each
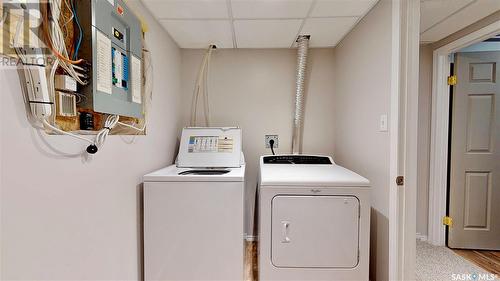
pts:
[271, 144]
[92, 149]
[86, 121]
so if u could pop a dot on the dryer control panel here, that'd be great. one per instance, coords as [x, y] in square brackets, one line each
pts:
[298, 160]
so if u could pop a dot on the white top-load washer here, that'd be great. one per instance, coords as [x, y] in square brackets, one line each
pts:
[193, 211]
[314, 220]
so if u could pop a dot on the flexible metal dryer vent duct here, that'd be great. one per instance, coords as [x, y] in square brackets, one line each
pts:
[303, 46]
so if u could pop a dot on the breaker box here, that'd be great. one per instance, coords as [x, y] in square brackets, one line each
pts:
[112, 43]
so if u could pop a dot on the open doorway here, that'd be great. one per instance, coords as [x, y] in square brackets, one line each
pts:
[458, 217]
[473, 216]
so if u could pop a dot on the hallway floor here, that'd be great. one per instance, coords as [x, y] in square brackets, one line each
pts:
[441, 263]
[489, 260]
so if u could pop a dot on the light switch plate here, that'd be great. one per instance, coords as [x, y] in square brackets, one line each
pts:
[383, 123]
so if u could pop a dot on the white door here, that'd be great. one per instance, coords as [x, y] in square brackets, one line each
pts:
[315, 231]
[475, 153]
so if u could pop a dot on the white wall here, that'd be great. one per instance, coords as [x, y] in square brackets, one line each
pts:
[424, 138]
[255, 89]
[362, 84]
[65, 219]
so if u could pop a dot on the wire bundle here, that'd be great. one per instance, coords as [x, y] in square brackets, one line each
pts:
[201, 89]
[55, 40]
[80, 30]
[53, 16]
[111, 122]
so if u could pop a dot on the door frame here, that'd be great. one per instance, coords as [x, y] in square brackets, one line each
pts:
[439, 129]
[403, 138]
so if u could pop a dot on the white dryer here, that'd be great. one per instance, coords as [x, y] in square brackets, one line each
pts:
[314, 220]
[193, 211]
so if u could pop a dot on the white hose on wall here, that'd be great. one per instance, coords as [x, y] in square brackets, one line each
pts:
[201, 90]
[303, 46]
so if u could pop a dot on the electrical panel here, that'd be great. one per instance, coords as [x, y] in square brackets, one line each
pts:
[112, 44]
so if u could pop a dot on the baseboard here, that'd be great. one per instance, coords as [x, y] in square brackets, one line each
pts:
[421, 237]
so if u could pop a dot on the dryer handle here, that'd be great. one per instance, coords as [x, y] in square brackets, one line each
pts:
[285, 225]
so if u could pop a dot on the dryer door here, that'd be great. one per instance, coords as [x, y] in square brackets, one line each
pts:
[315, 231]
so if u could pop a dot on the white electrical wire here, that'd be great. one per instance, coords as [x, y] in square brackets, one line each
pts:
[4, 17]
[45, 122]
[201, 88]
[66, 2]
[57, 39]
[194, 106]
[60, 46]
[141, 129]
[16, 34]
[109, 124]
[205, 89]
[100, 139]
[55, 129]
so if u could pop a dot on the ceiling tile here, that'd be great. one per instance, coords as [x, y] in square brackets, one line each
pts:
[266, 33]
[342, 8]
[433, 11]
[188, 9]
[198, 34]
[327, 32]
[461, 19]
[270, 9]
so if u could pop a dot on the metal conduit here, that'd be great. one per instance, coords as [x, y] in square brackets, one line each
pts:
[303, 47]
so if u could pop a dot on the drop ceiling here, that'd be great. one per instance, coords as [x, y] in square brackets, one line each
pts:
[440, 18]
[257, 23]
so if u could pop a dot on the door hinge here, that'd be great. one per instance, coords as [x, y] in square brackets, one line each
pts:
[400, 180]
[448, 221]
[452, 80]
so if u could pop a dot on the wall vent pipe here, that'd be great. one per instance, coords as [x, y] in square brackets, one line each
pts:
[303, 46]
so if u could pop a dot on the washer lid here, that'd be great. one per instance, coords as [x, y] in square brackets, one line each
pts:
[174, 174]
[328, 175]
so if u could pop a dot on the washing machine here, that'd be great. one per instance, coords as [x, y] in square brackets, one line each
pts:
[314, 220]
[193, 211]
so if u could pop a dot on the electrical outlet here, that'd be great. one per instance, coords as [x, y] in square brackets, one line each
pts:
[272, 137]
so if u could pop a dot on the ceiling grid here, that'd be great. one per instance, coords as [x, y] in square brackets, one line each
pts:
[195, 24]
[440, 18]
[257, 23]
